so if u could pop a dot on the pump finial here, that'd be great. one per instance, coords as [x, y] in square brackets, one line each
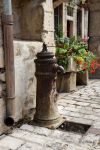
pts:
[44, 48]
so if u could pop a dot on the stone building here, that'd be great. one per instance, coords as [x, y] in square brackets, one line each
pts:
[72, 18]
[34, 23]
[84, 22]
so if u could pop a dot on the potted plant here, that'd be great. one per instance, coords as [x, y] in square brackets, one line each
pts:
[75, 58]
[64, 55]
[86, 62]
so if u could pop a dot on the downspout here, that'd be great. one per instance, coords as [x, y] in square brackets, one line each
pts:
[7, 26]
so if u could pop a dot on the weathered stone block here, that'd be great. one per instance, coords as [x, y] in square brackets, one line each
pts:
[48, 21]
[71, 65]
[2, 115]
[1, 58]
[82, 78]
[2, 108]
[2, 89]
[11, 143]
[48, 38]
[48, 5]
[31, 21]
[25, 82]
[66, 82]
[2, 77]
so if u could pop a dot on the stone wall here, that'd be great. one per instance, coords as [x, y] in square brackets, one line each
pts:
[37, 24]
[34, 20]
[25, 82]
[33, 25]
[2, 80]
[94, 31]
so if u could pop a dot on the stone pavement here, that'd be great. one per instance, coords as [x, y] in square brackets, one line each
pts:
[82, 106]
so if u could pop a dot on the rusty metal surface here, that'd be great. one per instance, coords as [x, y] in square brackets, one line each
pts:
[9, 54]
[46, 95]
[7, 26]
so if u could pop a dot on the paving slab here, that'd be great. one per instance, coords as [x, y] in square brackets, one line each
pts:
[81, 106]
[11, 143]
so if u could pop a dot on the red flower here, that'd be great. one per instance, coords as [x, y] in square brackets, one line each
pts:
[92, 71]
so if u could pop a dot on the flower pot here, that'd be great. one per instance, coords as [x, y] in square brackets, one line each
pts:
[71, 65]
[67, 82]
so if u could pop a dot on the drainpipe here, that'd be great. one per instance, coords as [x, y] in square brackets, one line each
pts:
[7, 24]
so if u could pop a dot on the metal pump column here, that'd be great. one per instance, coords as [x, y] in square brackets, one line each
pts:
[46, 96]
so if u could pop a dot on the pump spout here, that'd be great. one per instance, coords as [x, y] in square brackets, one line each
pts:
[61, 69]
[58, 68]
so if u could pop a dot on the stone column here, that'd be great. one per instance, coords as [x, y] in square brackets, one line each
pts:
[75, 21]
[83, 25]
[86, 23]
[64, 20]
[48, 25]
[94, 31]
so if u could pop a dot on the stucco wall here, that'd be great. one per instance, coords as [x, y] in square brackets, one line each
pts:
[25, 82]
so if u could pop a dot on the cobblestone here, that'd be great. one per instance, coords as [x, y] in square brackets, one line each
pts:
[82, 106]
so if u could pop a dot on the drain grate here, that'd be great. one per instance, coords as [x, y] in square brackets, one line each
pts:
[74, 127]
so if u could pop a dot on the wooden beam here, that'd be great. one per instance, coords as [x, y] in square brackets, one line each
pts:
[56, 3]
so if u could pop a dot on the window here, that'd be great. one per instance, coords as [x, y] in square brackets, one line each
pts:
[58, 19]
[70, 11]
[69, 28]
[79, 23]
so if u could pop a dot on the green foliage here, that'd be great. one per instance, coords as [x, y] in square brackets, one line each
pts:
[62, 57]
[75, 48]
[59, 33]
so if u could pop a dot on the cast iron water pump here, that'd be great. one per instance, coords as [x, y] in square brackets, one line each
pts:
[46, 95]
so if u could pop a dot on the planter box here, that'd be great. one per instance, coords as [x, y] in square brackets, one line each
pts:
[71, 65]
[67, 82]
[82, 78]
